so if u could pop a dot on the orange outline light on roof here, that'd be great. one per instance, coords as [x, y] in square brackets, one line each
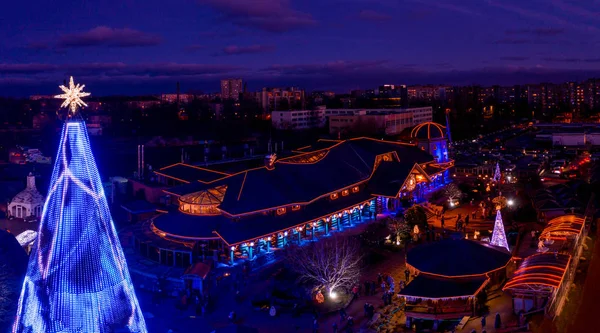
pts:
[461, 276]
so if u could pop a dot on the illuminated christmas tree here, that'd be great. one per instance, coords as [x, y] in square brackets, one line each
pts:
[497, 174]
[77, 279]
[499, 236]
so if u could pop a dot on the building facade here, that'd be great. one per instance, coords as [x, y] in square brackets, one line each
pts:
[298, 120]
[271, 99]
[376, 121]
[231, 89]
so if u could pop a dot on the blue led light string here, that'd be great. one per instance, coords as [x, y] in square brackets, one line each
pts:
[77, 279]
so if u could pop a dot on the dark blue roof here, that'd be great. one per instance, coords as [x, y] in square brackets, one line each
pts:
[180, 224]
[258, 225]
[389, 177]
[190, 173]
[139, 207]
[451, 257]
[346, 164]
[426, 286]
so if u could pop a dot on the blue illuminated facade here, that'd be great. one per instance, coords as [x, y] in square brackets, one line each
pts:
[77, 279]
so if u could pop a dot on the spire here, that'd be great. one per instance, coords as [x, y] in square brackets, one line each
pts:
[497, 174]
[499, 236]
[77, 279]
[31, 181]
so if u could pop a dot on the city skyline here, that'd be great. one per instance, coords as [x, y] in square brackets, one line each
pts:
[143, 48]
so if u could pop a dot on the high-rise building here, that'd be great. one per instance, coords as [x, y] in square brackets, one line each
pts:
[77, 279]
[231, 89]
[271, 99]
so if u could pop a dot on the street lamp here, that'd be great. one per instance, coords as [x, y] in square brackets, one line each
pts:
[510, 202]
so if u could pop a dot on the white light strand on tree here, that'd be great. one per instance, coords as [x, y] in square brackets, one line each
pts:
[499, 236]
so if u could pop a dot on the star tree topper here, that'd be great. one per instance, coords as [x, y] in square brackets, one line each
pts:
[72, 96]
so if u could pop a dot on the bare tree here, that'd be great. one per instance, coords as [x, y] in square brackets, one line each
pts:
[331, 263]
[400, 228]
[453, 192]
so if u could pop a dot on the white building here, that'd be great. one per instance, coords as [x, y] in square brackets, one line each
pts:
[393, 120]
[28, 202]
[298, 120]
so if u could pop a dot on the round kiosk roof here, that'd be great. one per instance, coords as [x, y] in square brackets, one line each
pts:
[455, 258]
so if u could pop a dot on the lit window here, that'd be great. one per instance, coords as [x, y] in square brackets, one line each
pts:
[334, 196]
[296, 207]
[345, 192]
[280, 211]
[355, 189]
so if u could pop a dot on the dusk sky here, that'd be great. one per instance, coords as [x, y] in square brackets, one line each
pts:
[135, 46]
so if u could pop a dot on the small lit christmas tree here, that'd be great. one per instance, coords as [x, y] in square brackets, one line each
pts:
[499, 236]
[497, 174]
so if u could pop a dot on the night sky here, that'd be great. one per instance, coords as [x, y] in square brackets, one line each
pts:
[145, 46]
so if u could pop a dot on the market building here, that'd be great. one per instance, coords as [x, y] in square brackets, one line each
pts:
[226, 217]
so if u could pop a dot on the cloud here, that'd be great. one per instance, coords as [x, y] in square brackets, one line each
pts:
[193, 48]
[513, 41]
[541, 16]
[374, 16]
[577, 10]
[538, 32]
[37, 46]
[325, 69]
[30, 68]
[466, 10]
[251, 49]
[106, 36]
[514, 58]
[572, 60]
[266, 15]
[118, 69]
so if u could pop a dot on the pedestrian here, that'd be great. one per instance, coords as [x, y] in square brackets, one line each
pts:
[383, 286]
[483, 322]
[355, 291]
[342, 314]
[497, 321]
[406, 274]
[474, 214]
[334, 327]
[315, 326]
[390, 298]
[232, 317]
[379, 278]
[384, 298]
[443, 221]
[373, 288]
[467, 220]
[366, 308]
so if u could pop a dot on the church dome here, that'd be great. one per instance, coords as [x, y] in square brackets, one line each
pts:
[30, 194]
[428, 130]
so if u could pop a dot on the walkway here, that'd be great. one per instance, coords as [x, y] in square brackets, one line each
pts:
[588, 307]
